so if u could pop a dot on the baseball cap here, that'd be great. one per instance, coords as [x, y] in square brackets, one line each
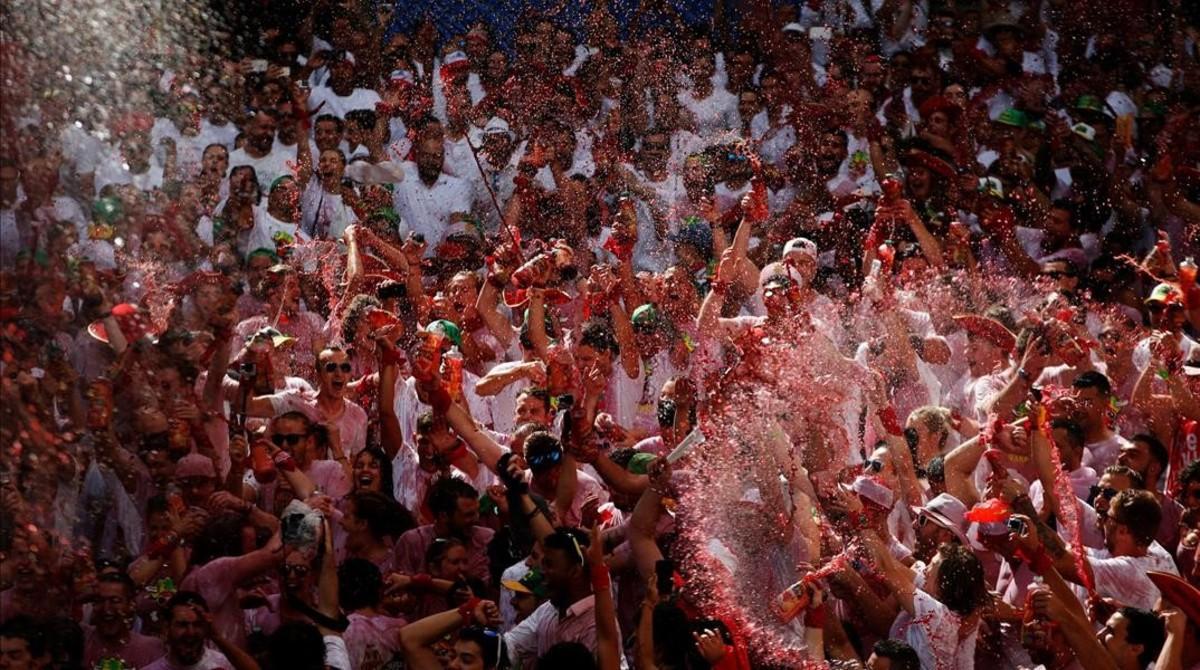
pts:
[1013, 117]
[694, 232]
[278, 339]
[645, 317]
[793, 27]
[195, 465]
[533, 583]
[948, 512]
[447, 329]
[800, 246]
[1166, 293]
[497, 126]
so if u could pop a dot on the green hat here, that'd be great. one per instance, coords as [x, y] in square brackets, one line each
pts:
[1166, 293]
[278, 181]
[645, 316]
[639, 463]
[1013, 117]
[386, 213]
[1085, 131]
[107, 209]
[1089, 103]
[447, 329]
[533, 583]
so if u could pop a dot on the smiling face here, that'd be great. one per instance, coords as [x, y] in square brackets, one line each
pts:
[367, 474]
[333, 372]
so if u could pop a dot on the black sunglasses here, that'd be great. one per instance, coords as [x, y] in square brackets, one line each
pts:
[874, 465]
[1107, 492]
[1057, 274]
[332, 367]
[290, 439]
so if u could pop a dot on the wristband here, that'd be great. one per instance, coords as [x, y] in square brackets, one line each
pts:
[467, 609]
[815, 617]
[891, 422]
[422, 581]
[600, 577]
[391, 357]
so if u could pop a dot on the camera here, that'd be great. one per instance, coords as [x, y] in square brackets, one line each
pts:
[1016, 525]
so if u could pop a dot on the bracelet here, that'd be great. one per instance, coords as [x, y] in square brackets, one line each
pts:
[467, 609]
[422, 581]
[601, 579]
[815, 616]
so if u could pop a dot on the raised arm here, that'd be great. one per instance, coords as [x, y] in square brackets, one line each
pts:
[960, 466]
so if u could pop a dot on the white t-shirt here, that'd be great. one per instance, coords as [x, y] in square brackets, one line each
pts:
[339, 105]
[715, 114]
[934, 633]
[325, 215]
[1124, 579]
[268, 168]
[211, 660]
[267, 229]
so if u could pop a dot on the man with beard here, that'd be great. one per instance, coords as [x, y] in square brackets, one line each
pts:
[259, 150]
[187, 630]
[111, 635]
[427, 197]
[455, 507]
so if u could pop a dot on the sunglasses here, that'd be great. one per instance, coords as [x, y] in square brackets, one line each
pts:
[874, 465]
[334, 367]
[655, 146]
[1056, 274]
[294, 569]
[1107, 492]
[544, 460]
[290, 439]
[1158, 307]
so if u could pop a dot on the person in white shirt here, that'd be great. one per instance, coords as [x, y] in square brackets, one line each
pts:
[428, 197]
[279, 224]
[327, 203]
[134, 163]
[188, 630]
[339, 95]
[714, 108]
[259, 150]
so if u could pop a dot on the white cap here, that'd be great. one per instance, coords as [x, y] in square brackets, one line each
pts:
[793, 27]
[800, 246]
[497, 126]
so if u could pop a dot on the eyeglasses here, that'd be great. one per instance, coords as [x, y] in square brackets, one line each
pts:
[290, 439]
[873, 465]
[543, 460]
[332, 367]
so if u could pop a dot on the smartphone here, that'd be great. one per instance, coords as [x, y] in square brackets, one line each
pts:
[664, 571]
[820, 33]
[258, 65]
[1017, 526]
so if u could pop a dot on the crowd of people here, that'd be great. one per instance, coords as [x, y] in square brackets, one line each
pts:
[823, 334]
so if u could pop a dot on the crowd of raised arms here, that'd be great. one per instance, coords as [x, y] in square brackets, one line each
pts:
[830, 333]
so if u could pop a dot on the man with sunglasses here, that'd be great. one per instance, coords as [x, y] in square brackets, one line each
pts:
[329, 405]
[293, 433]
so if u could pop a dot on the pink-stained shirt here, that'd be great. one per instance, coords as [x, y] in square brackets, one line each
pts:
[545, 628]
[352, 424]
[588, 487]
[215, 581]
[212, 660]
[412, 545]
[140, 650]
[372, 641]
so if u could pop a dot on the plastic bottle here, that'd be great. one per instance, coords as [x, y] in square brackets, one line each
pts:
[454, 373]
